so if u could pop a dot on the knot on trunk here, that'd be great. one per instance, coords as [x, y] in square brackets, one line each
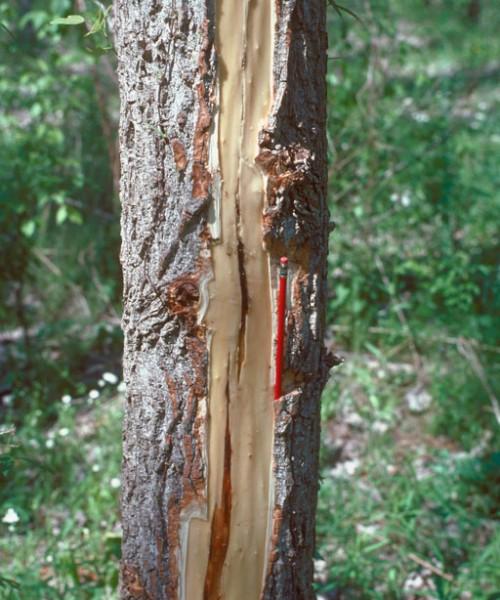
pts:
[285, 167]
[132, 586]
[294, 217]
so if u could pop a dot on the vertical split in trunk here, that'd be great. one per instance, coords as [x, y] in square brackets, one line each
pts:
[222, 140]
[232, 543]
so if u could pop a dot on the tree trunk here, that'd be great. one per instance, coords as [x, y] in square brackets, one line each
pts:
[223, 160]
[474, 10]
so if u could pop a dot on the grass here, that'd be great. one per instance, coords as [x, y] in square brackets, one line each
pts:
[403, 512]
[63, 485]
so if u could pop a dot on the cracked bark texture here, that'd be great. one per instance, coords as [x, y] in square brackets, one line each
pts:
[168, 86]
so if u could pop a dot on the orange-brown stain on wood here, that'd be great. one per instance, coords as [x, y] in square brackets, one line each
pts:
[200, 174]
[173, 539]
[275, 535]
[183, 296]
[179, 154]
[131, 582]
[221, 521]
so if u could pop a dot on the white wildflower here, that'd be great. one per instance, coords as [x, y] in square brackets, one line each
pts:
[10, 517]
[405, 199]
[101, 383]
[368, 530]
[380, 427]
[320, 571]
[63, 432]
[96, 468]
[414, 583]
[115, 483]
[66, 399]
[354, 419]
[94, 394]
[422, 469]
[49, 443]
[418, 399]
[110, 378]
[7, 400]
[340, 554]
[49, 558]
[122, 387]
[421, 117]
[346, 469]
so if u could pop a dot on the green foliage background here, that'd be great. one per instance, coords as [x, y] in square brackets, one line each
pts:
[414, 143]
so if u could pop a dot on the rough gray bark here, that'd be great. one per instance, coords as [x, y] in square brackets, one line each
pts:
[168, 77]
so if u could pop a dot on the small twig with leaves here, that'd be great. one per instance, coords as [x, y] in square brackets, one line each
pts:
[5, 28]
[340, 9]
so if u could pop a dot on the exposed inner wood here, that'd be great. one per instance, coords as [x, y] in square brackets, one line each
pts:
[226, 554]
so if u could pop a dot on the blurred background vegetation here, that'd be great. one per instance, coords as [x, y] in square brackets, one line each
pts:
[410, 492]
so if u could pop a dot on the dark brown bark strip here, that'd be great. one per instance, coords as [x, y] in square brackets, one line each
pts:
[293, 155]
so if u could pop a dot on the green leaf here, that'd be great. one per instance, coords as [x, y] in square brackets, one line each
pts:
[61, 215]
[69, 20]
[28, 228]
[99, 23]
[37, 18]
[375, 546]
[6, 582]
[74, 216]
[98, 51]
